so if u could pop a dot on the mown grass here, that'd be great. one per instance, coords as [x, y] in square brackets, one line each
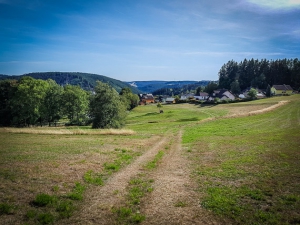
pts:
[33, 164]
[248, 168]
[48, 209]
[146, 119]
[38, 160]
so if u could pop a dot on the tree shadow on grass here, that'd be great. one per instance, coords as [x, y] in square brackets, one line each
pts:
[148, 114]
[188, 119]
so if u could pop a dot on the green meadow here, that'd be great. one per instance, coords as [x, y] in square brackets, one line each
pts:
[246, 167]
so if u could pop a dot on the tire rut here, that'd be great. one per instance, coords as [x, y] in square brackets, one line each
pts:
[100, 200]
[174, 199]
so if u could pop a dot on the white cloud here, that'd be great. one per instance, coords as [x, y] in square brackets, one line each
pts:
[277, 4]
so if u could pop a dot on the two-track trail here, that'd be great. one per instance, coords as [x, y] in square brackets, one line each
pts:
[100, 200]
[174, 199]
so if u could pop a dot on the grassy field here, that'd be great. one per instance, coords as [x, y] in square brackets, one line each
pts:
[246, 168]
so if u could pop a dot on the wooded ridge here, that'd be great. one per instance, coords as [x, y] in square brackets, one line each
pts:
[86, 81]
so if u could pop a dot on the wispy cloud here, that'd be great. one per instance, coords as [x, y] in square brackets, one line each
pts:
[277, 4]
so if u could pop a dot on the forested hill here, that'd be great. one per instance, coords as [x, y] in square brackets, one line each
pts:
[162, 86]
[183, 89]
[86, 81]
[260, 73]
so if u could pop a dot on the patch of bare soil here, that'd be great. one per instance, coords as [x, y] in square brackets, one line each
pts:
[174, 199]
[97, 204]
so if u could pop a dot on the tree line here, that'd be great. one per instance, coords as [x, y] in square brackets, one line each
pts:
[259, 74]
[30, 101]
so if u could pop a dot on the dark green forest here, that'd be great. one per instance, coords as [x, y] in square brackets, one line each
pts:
[238, 76]
[185, 89]
[86, 81]
[260, 73]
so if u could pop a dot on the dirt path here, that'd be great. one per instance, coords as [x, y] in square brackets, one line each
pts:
[174, 200]
[100, 200]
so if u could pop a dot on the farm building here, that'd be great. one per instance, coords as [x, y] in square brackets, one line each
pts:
[281, 89]
[146, 99]
[170, 100]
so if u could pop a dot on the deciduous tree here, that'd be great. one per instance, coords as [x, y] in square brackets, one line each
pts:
[129, 99]
[75, 103]
[252, 93]
[51, 109]
[106, 108]
[26, 103]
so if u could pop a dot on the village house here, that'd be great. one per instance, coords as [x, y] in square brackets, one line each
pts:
[170, 100]
[202, 96]
[222, 94]
[187, 96]
[281, 90]
[146, 99]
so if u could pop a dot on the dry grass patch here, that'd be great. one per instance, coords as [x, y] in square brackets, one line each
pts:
[58, 131]
[31, 163]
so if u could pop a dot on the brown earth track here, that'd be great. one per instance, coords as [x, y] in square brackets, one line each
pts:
[99, 201]
[174, 199]
[172, 187]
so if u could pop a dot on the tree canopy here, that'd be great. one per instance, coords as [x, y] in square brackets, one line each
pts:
[106, 108]
[30, 101]
[129, 99]
[260, 74]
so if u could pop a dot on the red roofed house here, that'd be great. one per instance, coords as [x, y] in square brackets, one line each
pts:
[146, 99]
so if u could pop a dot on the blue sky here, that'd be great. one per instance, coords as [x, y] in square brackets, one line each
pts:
[144, 39]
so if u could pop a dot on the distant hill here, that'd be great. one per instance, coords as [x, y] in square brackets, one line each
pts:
[167, 87]
[179, 90]
[86, 81]
[153, 86]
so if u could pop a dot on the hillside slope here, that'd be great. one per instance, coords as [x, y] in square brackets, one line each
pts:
[180, 89]
[86, 81]
[154, 86]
